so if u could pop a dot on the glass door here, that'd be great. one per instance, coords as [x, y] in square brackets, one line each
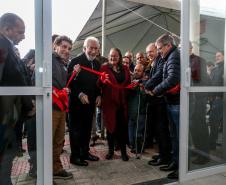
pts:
[15, 100]
[203, 91]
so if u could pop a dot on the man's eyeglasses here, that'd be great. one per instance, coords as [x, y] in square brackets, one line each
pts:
[159, 49]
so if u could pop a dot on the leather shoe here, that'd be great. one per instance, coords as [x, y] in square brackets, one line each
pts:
[109, 155]
[173, 175]
[201, 160]
[91, 157]
[171, 167]
[158, 162]
[79, 162]
[125, 157]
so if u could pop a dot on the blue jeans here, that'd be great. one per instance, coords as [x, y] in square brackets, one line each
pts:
[216, 116]
[98, 118]
[173, 114]
[133, 127]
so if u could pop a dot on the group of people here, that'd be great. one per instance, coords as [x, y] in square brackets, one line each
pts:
[149, 102]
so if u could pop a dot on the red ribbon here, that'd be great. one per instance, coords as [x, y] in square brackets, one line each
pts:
[61, 98]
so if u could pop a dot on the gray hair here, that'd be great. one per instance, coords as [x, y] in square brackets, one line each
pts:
[9, 19]
[90, 38]
[165, 39]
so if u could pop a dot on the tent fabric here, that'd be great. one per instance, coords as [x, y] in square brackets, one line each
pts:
[126, 30]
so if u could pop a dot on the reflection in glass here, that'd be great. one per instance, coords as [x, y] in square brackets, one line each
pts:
[16, 114]
[201, 151]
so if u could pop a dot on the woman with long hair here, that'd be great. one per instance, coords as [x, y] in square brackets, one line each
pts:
[114, 102]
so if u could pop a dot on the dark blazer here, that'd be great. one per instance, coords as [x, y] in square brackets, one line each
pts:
[171, 77]
[12, 69]
[85, 81]
[13, 73]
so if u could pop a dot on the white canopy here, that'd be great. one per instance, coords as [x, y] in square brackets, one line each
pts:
[130, 32]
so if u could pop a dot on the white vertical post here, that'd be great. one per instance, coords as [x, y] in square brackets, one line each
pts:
[43, 55]
[104, 6]
[195, 25]
[184, 103]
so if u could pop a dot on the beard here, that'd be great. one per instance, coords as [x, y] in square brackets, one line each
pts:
[90, 58]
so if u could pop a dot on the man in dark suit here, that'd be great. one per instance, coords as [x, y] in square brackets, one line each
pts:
[12, 73]
[84, 97]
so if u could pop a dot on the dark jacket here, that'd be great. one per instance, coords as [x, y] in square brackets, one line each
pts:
[13, 73]
[155, 78]
[218, 79]
[199, 76]
[85, 82]
[131, 67]
[133, 102]
[171, 77]
[12, 69]
[59, 74]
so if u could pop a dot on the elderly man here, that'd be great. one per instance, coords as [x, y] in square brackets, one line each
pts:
[171, 78]
[156, 114]
[12, 73]
[84, 97]
[142, 59]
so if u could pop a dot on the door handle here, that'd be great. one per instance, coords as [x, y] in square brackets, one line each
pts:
[187, 77]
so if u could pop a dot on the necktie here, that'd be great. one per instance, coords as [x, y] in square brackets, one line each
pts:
[91, 64]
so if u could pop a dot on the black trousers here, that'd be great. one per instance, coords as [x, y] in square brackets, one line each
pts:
[158, 117]
[120, 132]
[80, 130]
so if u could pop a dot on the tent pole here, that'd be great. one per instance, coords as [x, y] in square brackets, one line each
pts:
[104, 5]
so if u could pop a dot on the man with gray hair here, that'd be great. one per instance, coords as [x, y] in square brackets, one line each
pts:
[171, 78]
[84, 97]
[12, 73]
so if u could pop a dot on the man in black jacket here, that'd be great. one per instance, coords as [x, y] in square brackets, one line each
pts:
[171, 78]
[12, 73]
[156, 112]
[84, 97]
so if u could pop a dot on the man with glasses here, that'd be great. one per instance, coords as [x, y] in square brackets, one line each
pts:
[157, 121]
[171, 78]
[85, 96]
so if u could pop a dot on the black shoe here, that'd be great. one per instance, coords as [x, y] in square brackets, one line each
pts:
[171, 167]
[117, 148]
[173, 175]
[155, 157]
[201, 160]
[63, 175]
[158, 162]
[91, 157]
[79, 162]
[125, 157]
[109, 154]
